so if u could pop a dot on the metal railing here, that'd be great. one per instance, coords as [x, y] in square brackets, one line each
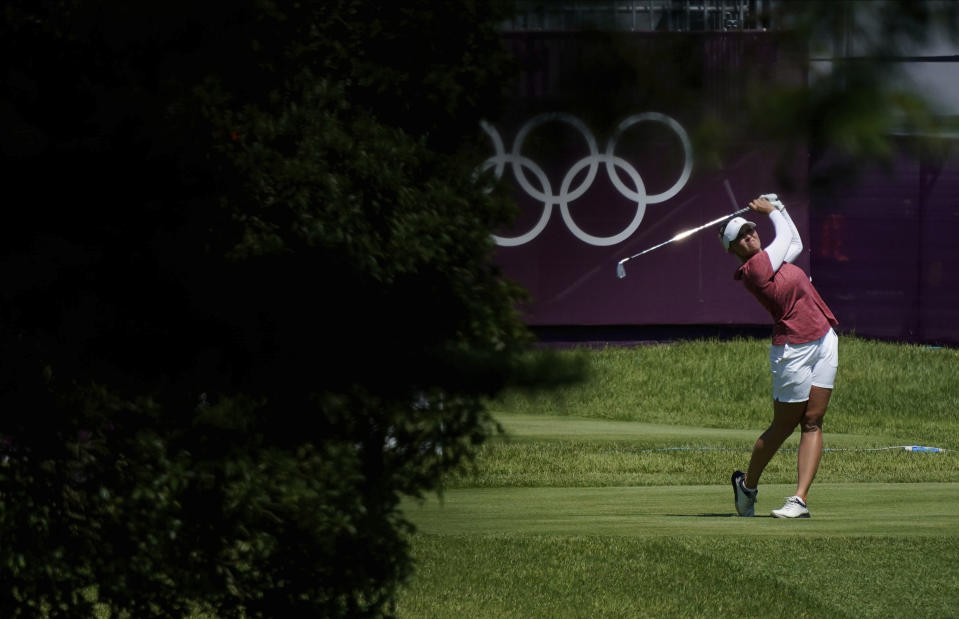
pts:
[641, 15]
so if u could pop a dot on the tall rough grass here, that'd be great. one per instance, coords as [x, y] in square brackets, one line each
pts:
[881, 388]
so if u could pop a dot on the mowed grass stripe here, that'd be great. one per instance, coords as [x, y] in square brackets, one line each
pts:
[594, 576]
[918, 509]
[576, 452]
[576, 464]
[551, 427]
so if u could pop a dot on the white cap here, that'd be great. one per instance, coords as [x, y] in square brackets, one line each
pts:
[731, 230]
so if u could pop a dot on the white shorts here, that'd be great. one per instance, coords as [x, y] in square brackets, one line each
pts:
[798, 367]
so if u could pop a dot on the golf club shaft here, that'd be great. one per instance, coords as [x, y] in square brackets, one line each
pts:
[683, 235]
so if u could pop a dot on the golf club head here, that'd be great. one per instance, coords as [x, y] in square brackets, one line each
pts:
[620, 269]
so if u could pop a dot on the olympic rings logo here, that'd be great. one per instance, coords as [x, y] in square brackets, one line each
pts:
[567, 193]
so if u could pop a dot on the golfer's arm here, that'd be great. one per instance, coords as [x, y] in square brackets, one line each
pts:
[786, 243]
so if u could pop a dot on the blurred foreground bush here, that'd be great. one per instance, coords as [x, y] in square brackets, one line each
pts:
[248, 298]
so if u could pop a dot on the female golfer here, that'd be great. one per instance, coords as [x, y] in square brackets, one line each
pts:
[803, 357]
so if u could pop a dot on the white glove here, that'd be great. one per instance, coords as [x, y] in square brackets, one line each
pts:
[774, 200]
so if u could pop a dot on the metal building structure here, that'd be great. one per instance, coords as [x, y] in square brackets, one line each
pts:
[642, 15]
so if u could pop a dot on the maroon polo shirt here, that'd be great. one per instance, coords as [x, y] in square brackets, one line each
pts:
[799, 312]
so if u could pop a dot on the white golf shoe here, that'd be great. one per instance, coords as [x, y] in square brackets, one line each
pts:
[793, 508]
[745, 500]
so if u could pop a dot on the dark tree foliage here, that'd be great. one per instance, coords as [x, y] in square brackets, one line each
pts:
[248, 298]
[857, 98]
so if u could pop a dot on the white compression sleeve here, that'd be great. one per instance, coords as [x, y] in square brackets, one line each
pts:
[786, 243]
[795, 242]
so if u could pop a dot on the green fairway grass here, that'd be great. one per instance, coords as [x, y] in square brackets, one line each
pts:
[571, 451]
[906, 510]
[703, 576]
[611, 498]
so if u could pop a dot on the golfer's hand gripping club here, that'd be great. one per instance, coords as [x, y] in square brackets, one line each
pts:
[621, 268]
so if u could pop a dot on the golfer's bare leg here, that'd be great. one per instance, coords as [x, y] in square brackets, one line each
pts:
[786, 416]
[810, 442]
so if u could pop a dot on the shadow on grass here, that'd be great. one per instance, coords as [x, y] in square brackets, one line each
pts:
[724, 515]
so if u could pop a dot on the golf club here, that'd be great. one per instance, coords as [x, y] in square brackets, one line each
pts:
[621, 269]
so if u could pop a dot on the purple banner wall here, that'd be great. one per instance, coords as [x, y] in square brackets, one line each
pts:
[601, 154]
[572, 281]
[886, 254]
[602, 149]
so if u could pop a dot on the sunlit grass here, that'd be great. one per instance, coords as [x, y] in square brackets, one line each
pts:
[882, 388]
